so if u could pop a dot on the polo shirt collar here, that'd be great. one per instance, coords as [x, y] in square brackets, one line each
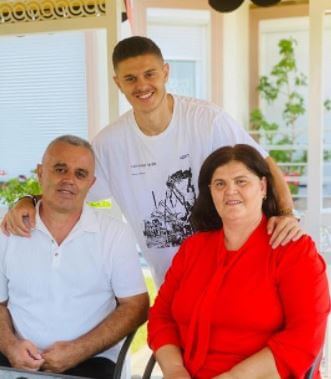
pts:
[87, 222]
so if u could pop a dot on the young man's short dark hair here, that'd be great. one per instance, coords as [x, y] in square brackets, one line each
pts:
[134, 46]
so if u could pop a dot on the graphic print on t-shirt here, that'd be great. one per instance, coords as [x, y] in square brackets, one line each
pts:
[168, 223]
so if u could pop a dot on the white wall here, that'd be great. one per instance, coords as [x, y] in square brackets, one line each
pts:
[235, 61]
[42, 95]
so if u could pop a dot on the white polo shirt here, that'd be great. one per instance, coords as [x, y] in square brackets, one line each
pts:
[57, 293]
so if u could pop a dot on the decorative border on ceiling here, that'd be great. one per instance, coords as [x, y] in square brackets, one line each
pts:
[13, 11]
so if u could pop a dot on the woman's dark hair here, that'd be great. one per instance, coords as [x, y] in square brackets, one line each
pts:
[134, 46]
[204, 216]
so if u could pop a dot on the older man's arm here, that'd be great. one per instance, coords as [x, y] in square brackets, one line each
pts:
[22, 354]
[129, 314]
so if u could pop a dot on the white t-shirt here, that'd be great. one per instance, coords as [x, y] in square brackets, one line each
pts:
[58, 293]
[154, 178]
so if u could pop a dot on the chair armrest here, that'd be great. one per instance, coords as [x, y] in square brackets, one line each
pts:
[310, 373]
[149, 367]
[122, 355]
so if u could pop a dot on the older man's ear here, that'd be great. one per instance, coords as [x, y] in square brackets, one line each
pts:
[39, 170]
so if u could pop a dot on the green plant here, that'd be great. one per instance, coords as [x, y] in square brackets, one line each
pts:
[15, 188]
[283, 86]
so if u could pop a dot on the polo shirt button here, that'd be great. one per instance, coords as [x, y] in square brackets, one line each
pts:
[56, 254]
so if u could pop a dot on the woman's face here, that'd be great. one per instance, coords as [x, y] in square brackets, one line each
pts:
[237, 192]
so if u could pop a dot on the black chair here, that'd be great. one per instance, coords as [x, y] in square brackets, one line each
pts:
[314, 367]
[309, 375]
[122, 355]
[149, 367]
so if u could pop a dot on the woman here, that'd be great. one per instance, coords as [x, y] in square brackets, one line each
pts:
[231, 306]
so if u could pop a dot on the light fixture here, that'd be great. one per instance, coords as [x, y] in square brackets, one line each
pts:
[225, 5]
[231, 5]
[265, 3]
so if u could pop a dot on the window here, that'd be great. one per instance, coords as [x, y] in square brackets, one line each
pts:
[42, 95]
[183, 77]
[188, 59]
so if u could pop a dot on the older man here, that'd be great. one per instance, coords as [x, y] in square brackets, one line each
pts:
[74, 289]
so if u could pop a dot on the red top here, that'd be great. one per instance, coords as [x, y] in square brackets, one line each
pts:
[222, 306]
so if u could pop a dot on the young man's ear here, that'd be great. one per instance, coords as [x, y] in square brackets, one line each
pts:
[117, 82]
[166, 70]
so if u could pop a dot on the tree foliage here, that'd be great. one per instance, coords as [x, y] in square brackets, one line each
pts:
[284, 84]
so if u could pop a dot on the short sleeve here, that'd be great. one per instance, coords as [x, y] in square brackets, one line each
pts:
[126, 273]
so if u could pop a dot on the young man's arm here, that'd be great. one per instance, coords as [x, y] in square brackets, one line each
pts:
[129, 314]
[22, 354]
[286, 227]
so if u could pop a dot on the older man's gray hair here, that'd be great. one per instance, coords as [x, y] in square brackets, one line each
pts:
[71, 140]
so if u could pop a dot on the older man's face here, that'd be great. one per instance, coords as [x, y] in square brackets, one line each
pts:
[66, 175]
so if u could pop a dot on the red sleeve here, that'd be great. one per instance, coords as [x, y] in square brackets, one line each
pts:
[303, 289]
[162, 328]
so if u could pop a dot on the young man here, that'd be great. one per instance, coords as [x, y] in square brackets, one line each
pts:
[74, 289]
[149, 159]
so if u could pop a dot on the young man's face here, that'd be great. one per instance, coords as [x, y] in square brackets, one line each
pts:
[66, 175]
[142, 80]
